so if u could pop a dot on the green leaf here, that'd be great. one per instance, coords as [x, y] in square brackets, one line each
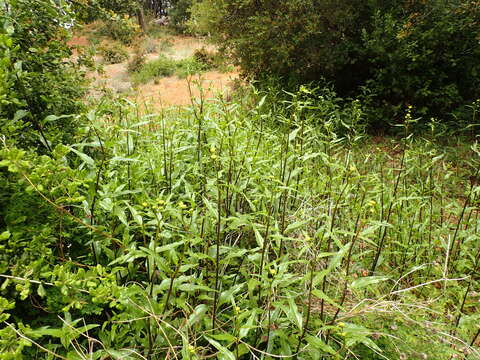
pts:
[5, 235]
[222, 349]
[197, 315]
[293, 314]
[295, 225]
[85, 158]
[245, 329]
[193, 287]
[169, 246]
[224, 337]
[366, 281]
[20, 114]
[318, 344]
[41, 291]
[321, 295]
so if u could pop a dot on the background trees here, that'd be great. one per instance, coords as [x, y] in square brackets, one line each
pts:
[421, 53]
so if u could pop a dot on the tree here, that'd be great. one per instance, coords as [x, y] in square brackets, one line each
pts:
[41, 88]
[405, 52]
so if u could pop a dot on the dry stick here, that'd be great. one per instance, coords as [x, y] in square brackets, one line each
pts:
[302, 131]
[309, 304]
[462, 306]
[199, 116]
[217, 255]
[474, 339]
[357, 230]
[269, 313]
[35, 343]
[403, 260]
[452, 245]
[264, 250]
[384, 234]
[164, 145]
[329, 243]
[285, 197]
[95, 196]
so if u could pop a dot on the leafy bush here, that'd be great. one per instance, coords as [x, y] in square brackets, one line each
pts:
[205, 57]
[179, 14]
[164, 66]
[231, 230]
[406, 53]
[120, 28]
[113, 53]
[137, 62]
[39, 85]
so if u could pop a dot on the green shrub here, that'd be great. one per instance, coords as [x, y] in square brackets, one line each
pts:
[406, 52]
[231, 230]
[179, 14]
[205, 57]
[137, 61]
[120, 28]
[39, 84]
[160, 67]
[164, 66]
[113, 53]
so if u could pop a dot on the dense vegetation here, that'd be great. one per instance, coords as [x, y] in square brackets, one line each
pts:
[266, 224]
[393, 53]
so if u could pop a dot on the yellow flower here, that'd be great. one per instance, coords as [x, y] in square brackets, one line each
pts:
[181, 205]
[273, 271]
[341, 324]
[191, 349]
[144, 204]
[213, 156]
[213, 149]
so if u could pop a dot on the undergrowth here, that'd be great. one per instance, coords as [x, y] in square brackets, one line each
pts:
[164, 66]
[240, 230]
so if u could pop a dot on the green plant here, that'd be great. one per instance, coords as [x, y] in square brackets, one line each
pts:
[164, 66]
[241, 229]
[137, 62]
[120, 28]
[179, 14]
[113, 53]
[40, 87]
[404, 52]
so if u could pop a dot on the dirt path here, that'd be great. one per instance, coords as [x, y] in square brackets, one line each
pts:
[167, 91]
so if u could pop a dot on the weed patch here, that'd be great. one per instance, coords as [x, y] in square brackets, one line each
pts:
[164, 66]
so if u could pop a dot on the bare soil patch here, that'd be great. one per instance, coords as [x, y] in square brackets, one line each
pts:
[167, 91]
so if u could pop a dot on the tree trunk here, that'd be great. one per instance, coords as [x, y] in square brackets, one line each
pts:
[141, 19]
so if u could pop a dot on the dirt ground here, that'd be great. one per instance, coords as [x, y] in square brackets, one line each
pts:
[167, 91]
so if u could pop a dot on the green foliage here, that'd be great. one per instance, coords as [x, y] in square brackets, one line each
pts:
[164, 66]
[90, 10]
[404, 52]
[121, 28]
[39, 85]
[230, 230]
[113, 53]
[137, 62]
[179, 14]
